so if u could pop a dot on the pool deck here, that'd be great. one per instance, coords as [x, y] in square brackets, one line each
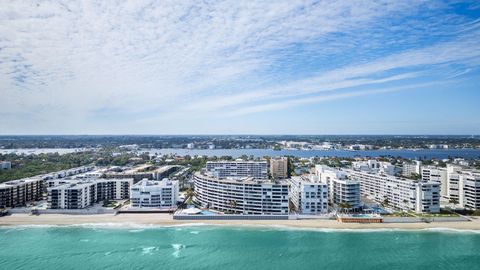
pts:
[359, 219]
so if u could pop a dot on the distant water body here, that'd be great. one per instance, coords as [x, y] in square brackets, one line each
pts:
[405, 153]
[234, 248]
[36, 151]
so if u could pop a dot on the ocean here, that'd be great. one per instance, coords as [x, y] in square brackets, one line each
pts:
[218, 247]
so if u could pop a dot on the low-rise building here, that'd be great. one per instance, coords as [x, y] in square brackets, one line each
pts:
[145, 171]
[69, 172]
[373, 165]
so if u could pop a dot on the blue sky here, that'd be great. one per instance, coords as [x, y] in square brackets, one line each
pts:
[238, 67]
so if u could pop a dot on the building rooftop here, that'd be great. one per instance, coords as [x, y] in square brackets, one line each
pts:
[19, 182]
[238, 161]
[246, 180]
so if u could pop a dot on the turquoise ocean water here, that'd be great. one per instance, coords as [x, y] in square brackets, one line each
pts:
[204, 247]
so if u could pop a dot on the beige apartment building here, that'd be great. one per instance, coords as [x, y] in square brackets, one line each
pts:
[279, 167]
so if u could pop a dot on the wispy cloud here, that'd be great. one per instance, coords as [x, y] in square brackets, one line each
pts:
[77, 62]
[317, 99]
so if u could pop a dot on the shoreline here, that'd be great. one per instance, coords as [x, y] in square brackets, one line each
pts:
[166, 220]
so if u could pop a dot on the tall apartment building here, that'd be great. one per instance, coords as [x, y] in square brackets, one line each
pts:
[279, 167]
[471, 189]
[341, 187]
[113, 189]
[401, 193]
[5, 165]
[410, 168]
[237, 169]
[77, 195]
[19, 192]
[155, 194]
[308, 195]
[453, 182]
[464, 186]
[436, 174]
[242, 195]
[81, 193]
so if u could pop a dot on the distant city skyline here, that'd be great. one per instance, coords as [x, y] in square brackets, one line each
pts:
[234, 67]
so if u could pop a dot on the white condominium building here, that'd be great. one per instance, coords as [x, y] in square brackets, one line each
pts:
[401, 193]
[461, 162]
[69, 172]
[279, 167]
[155, 194]
[241, 195]
[453, 182]
[374, 166]
[77, 195]
[308, 195]
[464, 186]
[471, 190]
[237, 168]
[342, 188]
[81, 193]
[19, 192]
[410, 168]
[436, 174]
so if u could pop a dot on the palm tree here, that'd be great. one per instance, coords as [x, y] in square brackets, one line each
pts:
[190, 194]
[344, 206]
[348, 206]
[233, 205]
[405, 201]
[291, 206]
[386, 201]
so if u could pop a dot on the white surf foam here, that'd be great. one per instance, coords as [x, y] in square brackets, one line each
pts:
[177, 249]
[135, 227]
[148, 250]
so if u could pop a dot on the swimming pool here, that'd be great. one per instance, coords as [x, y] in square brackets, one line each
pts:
[208, 213]
[363, 215]
[379, 210]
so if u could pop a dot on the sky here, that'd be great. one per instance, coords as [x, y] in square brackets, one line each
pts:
[239, 67]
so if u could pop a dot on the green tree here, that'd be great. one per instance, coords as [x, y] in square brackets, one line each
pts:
[190, 193]
[233, 205]
[386, 201]
[344, 206]
[405, 201]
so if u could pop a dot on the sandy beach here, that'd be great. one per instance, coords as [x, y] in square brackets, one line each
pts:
[166, 220]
